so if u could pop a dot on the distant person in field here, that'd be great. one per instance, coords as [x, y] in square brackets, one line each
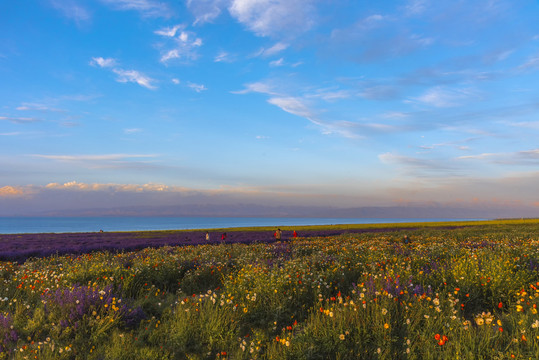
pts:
[406, 239]
[223, 236]
[207, 236]
[277, 234]
[295, 234]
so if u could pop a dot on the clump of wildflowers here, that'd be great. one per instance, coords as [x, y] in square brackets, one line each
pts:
[8, 335]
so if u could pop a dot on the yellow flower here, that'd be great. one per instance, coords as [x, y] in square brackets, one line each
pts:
[386, 326]
[341, 336]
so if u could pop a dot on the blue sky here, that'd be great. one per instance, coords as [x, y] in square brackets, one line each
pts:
[295, 102]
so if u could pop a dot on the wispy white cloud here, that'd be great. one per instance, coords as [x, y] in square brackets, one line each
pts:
[524, 157]
[258, 87]
[415, 7]
[147, 8]
[303, 105]
[378, 43]
[132, 131]
[197, 87]
[182, 44]
[277, 17]
[105, 157]
[224, 56]
[419, 167]
[531, 63]
[104, 161]
[124, 75]
[206, 10]
[176, 81]
[273, 50]
[525, 124]
[379, 92]
[444, 97]
[72, 10]
[170, 31]
[394, 115]
[19, 120]
[498, 55]
[37, 107]
[135, 77]
[292, 105]
[170, 55]
[276, 63]
[103, 62]
[331, 94]
[10, 133]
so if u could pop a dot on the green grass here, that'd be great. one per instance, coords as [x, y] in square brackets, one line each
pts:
[469, 292]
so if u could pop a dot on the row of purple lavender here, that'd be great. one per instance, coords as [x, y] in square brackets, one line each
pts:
[19, 247]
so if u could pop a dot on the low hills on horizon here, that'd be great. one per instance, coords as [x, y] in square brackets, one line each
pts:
[254, 210]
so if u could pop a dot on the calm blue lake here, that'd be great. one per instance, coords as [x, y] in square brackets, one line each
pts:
[17, 225]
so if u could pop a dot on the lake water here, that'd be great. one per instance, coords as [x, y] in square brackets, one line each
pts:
[17, 225]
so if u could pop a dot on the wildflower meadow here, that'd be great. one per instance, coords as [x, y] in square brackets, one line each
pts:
[469, 292]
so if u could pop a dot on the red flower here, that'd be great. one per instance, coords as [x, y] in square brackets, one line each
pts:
[500, 305]
[437, 337]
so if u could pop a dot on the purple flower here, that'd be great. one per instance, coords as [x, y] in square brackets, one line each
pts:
[8, 335]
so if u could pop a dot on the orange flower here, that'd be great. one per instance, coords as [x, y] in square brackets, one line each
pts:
[437, 337]
[445, 338]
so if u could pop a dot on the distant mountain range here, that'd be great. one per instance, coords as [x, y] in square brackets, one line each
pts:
[253, 210]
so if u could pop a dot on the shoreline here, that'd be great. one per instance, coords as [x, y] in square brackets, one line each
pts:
[19, 247]
[18, 225]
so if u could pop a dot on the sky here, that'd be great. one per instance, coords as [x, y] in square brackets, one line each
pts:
[338, 103]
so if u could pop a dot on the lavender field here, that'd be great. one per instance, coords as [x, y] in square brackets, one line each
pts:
[19, 247]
